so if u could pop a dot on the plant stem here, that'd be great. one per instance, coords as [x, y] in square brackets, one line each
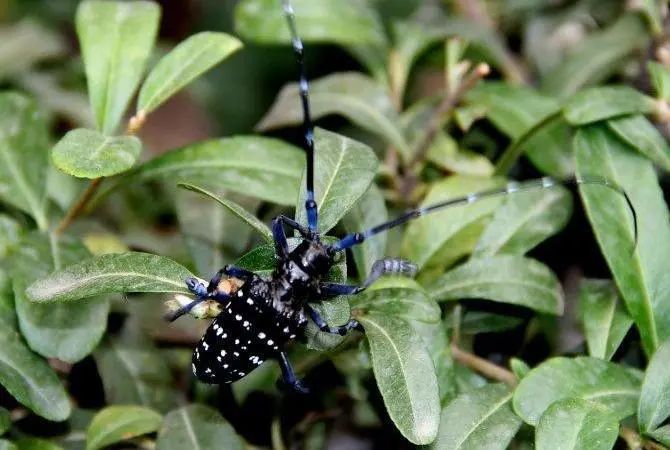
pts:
[277, 441]
[448, 103]
[515, 149]
[632, 439]
[79, 206]
[484, 367]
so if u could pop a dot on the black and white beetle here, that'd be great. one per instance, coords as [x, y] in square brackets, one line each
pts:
[261, 316]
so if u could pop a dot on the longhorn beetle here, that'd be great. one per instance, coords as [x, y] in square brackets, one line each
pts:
[259, 316]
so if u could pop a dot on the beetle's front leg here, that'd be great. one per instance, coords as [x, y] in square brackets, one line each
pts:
[386, 266]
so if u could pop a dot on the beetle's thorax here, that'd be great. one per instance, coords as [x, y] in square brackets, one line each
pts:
[298, 275]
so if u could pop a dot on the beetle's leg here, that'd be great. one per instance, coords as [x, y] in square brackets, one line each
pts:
[281, 246]
[379, 268]
[288, 375]
[323, 326]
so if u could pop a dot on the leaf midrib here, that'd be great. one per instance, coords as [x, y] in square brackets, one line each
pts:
[78, 282]
[125, 421]
[371, 321]
[26, 377]
[492, 411]
[189, 429]
[160, 91]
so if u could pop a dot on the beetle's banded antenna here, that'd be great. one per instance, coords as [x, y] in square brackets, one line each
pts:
[542, 183]
[308, 126]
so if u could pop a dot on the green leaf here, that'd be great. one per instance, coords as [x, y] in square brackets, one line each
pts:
[444, 150]
[88, 154]
[5, 421]
[7, 309]
[426, 237]
[197, 427]
[639, 133]
[68, 332]
[605, 102]
[33, 443]
[654, 405]
[661, 434]
[29, 379]
[10, 235]
[219, 239]
[525, 220]
[445, 153]
[116, 39]
[436, 340]
[7, 445]
[413, 38]
[111, 273]
[353, 95]
[345, 22]
[519, 367]
[134, 373]
[24, 156]
[265, 168]
[475, 322]
[598, 56]
[405, 376]
[574, 423]
[602, 382]
[186, 62]
[606, 322]
[398, 297]
[660, 79]
[236, 209]
[343, 171]
[507, 279]
[25, 44]
[517, 111]
[638, 269]
[480, 419]
[120, 423]
[369, 211]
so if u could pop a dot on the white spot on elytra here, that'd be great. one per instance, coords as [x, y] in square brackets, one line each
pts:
[225, 366]
[219, 331]
[285, 329]
[238, 317]
[204, 344]
[242, 374]
[246, 323]
[208, 370]
[236, 354]
[218, 358]
[237, 342]
[225, 335]
[270, 342]
[223, 353]
[193, 368]
[250, 301]
[261, 335]
[240, 293]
